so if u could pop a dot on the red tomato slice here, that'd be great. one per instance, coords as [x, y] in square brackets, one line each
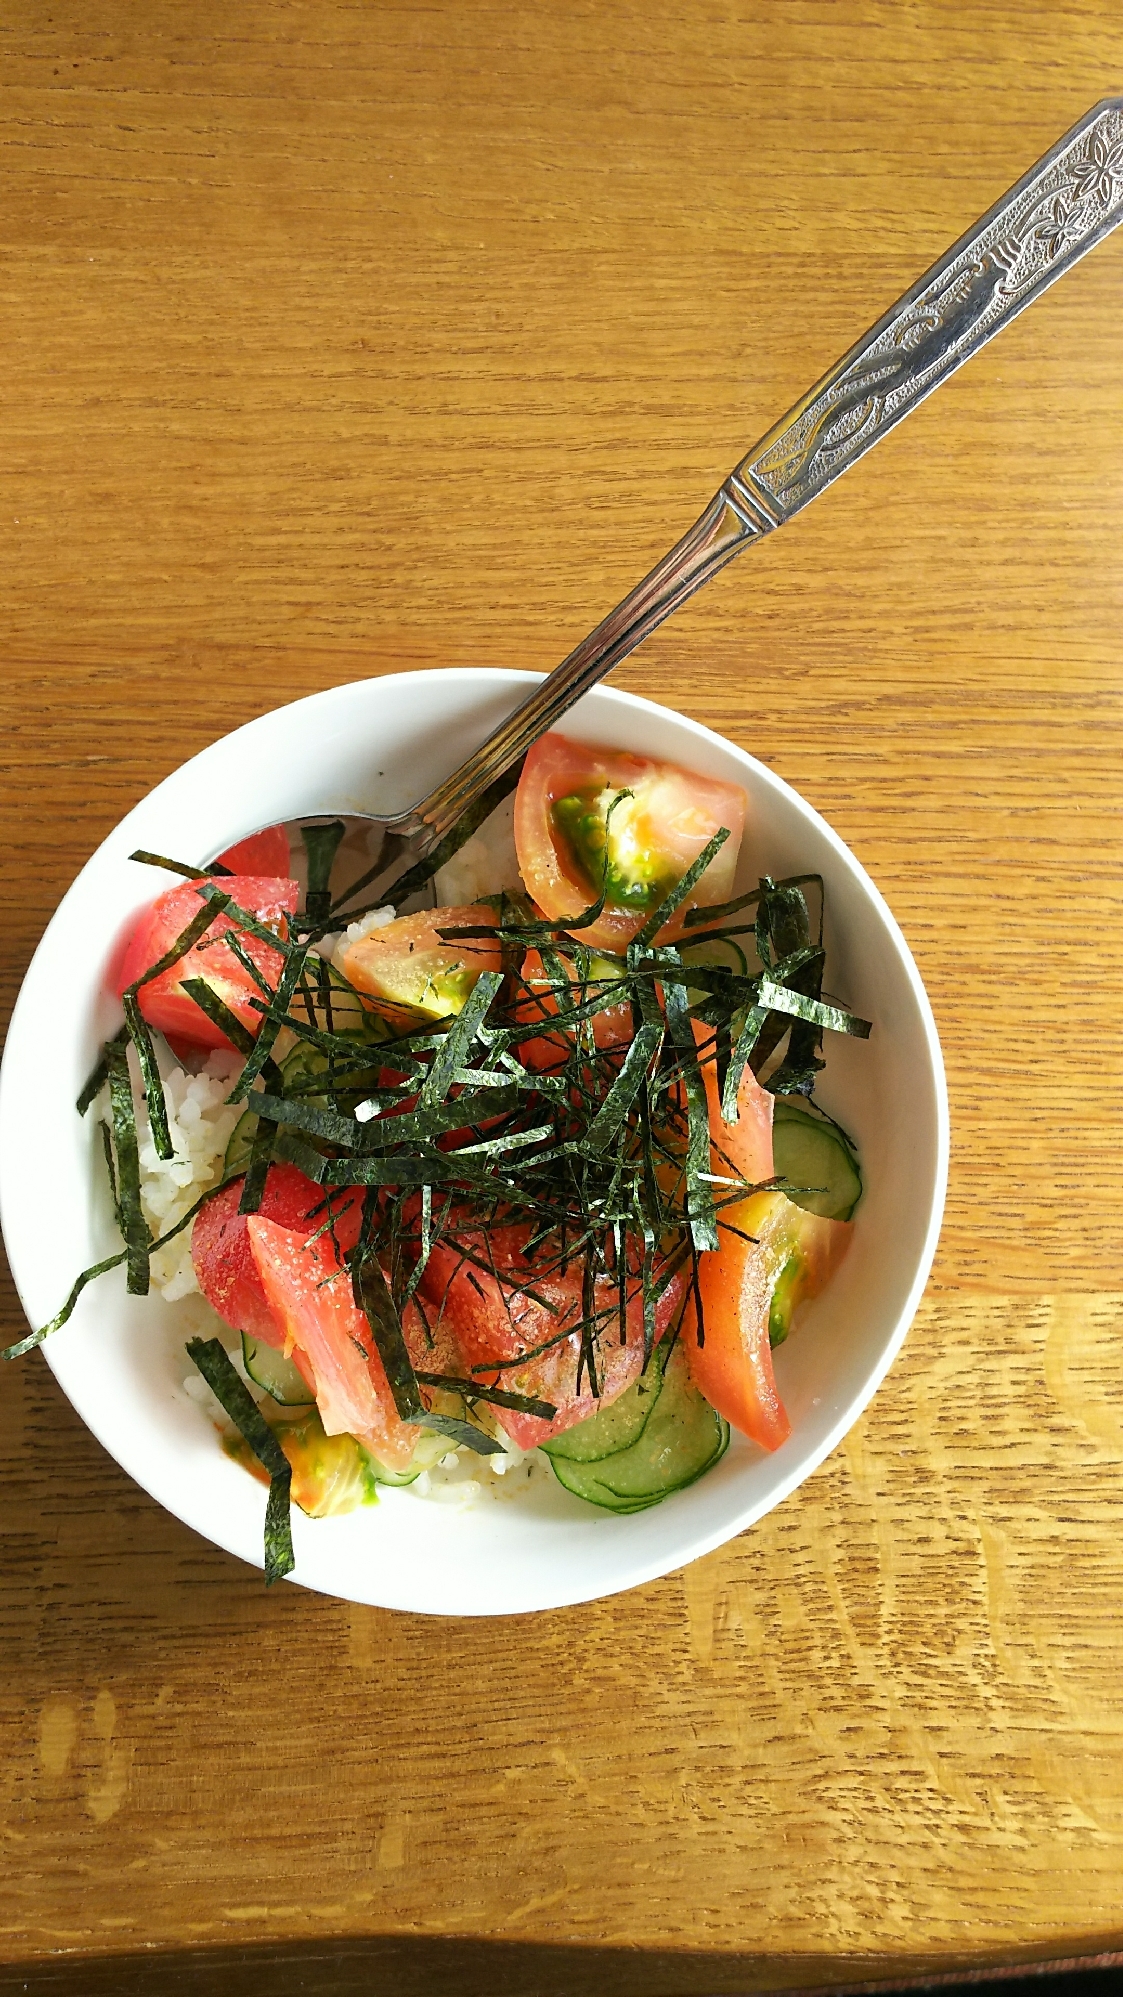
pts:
[220, 1245]
[652, 839]
[309, 1292]
[406, 962]
[491, 1319]
[163, 1002]
[792, 1257]
[612, 1026]
[262, 853]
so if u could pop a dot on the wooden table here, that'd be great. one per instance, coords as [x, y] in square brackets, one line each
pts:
[341, 338]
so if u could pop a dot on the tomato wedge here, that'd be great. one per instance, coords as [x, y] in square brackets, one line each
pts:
[309, 1291]
[406, 962]
[220, 1246]
[563, 832]
[749, 1291]
[492, 1319]
[164, 1003]
[750, 1287]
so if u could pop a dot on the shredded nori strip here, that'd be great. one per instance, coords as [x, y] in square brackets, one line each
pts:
[111, 1173]
[99, 1269]
[747, 1041]
[187, 938]
[138, 1240]
[175, 866]
[717, 913]
[523, 1404]
[35, 1338]
[464, 1434]
[216, 1009]
[272, 1021]
[137, 1028]
[779, 998]
[372, 1295]
[673, 901]
[244, 917]
[703, 1226]
[99, 1074]
[624, 1089]
[454, 1047]
[257, 1170]
[140, 1036]
[217, 1369]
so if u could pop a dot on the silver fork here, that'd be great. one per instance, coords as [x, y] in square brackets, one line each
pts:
[1059, 210]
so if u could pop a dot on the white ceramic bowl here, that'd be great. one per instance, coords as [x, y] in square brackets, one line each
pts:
[382, 743]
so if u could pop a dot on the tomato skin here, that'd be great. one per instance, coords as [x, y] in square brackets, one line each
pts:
[262, 853]
[490, 1322]
[686, 811]
[163, 1002]
[406, 963]
[309, 1292]
[733, 1366]
[225, 1268]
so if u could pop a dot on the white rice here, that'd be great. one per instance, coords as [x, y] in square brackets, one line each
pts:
[485, 864]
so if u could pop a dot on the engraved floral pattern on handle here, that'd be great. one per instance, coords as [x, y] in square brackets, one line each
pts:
[1071, 199]
[1062, 207]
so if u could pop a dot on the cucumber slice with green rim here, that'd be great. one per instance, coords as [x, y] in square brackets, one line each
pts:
[302, 1063]
[278, 1375]
[682, 1438]
[240, 1145]
[615, 1427]
[431, 1447]
[809, 1152]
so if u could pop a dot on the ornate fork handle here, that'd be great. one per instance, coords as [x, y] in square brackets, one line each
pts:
[1062, 208]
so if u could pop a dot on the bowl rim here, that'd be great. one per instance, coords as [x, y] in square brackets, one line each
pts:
[639, 1570]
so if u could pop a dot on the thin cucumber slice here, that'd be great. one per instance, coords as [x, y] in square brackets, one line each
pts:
[301, 1064]
[304, 1064]
[428, 1453]
[682, 1438]
[616, 1427]
[808, 1152]
[241, 1144]
[397, 1479]
[271, 1370]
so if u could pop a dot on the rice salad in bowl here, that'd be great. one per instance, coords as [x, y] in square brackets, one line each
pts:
[474, 1217]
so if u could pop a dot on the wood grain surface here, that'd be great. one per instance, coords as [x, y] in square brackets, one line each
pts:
[359, 335]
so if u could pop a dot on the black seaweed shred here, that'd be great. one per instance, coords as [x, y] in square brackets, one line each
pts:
[134, 1227]
[217, 1369]
[99, 1074]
